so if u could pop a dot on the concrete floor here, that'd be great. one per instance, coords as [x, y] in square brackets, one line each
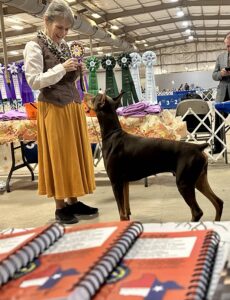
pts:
[159, 202]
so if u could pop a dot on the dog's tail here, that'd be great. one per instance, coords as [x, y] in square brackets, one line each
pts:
[203, 146]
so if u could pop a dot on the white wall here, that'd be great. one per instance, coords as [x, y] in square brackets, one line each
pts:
[202, 79]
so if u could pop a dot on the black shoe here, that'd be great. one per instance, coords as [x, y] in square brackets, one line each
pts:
[81, 209]
[65, 216]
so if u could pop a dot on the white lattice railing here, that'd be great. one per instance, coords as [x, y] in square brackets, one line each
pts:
[213, 132]
[208, 95]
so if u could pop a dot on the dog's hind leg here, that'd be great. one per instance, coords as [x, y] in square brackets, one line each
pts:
[118, 190]
[203, 186]
[188, 193]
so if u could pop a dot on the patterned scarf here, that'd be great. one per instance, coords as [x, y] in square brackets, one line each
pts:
[62, 53]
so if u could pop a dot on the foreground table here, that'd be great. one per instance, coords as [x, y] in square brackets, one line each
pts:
[14, 133]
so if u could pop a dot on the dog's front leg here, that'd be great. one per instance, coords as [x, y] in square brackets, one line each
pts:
[118, 190]
[126, 198]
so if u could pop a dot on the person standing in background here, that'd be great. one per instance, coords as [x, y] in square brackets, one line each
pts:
[65, 159]
[186, 87]
[223, 90]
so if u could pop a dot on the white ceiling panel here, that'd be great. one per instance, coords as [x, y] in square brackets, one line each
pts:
[200, 32]
[174, 36]
[210, 10]
[128, 21]
[195, 10]
[170, 26]
[211, 32]
[162, 38]
[143, 17]
[141, 31]
[24, 17]
[150, 3]
[198, 23]
[209, 39]
[127, 2]
[152, 40]
[153, 20]
[168, 1]
[155, 29]
[211, 23]
[225, 23]
[162, 15]
[225, 10]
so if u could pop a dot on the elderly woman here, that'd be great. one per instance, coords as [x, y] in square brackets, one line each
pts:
[64, 153]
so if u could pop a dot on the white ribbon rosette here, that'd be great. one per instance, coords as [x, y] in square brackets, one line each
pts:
[2, 68]
[134, 70]
[149, 59]
[13, 68]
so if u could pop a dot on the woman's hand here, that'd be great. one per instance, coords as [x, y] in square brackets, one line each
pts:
[71, 64]
[224, 73]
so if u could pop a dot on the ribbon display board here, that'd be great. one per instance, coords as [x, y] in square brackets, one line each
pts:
[149, 60]
[16, 91]
[134, 69]
[18, 88]
[5, 88]
[130, 95]
[108, 63]
[92, 64]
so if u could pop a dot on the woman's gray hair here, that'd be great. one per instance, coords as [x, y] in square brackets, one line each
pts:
[57, 9]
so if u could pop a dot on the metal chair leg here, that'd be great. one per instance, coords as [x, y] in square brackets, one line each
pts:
[15, 167]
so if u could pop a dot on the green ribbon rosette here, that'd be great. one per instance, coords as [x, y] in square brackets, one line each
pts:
[92, 64]
[108, 63]
[130, 95]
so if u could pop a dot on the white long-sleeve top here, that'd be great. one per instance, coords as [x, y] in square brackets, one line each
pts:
[33, 62]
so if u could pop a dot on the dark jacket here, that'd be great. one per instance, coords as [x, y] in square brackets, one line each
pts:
[224, 85]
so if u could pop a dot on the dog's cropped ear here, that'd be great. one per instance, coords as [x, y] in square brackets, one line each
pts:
[117, 99]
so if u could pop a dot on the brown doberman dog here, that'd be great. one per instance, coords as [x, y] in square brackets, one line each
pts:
[129, 158]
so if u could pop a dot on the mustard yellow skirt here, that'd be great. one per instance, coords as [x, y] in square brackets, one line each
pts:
[64, 153]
